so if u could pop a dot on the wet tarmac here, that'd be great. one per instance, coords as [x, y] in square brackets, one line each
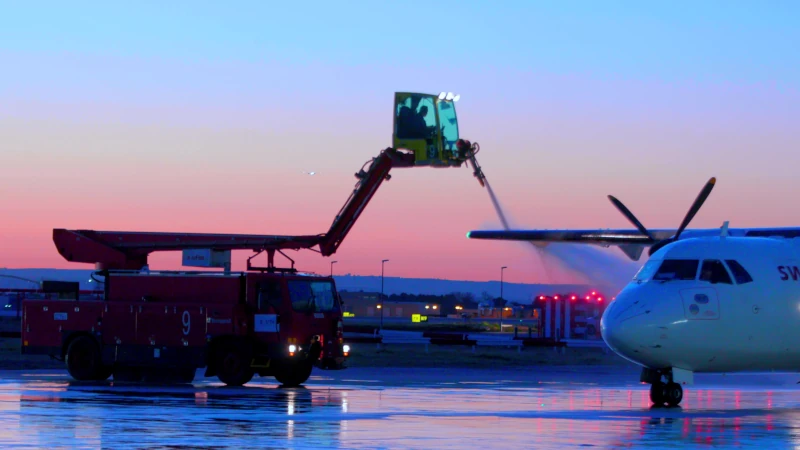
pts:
[553, 407]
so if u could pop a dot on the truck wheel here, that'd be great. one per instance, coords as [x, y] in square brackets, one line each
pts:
[292, 375]
[233, 367]
[83, 359]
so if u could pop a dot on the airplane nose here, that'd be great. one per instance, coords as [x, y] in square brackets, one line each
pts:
[618, 335]
[625, 330]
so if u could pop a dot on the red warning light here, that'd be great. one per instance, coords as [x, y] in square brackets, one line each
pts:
[556, 297]
[541, 297]
[573, 298]
[588, 298]
[599, 299]
[594, 293]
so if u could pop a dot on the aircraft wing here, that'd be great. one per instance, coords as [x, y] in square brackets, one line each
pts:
[630, 241]
[625, 236]
[599, 237]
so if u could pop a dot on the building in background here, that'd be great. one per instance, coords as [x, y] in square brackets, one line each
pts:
[368, 304]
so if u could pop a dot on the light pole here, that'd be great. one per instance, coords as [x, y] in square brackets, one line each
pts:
[381, 303]
[502, 307]
[332, 263]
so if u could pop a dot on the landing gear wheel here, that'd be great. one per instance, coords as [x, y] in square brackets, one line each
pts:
[233, 367]
[83, 359]
[658, 393]
[673, 394]
[292, 375]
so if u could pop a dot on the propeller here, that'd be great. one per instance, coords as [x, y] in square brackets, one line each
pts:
[698, 203]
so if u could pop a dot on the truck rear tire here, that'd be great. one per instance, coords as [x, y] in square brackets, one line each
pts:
[233, 366]
[292, 375]
[83, 359]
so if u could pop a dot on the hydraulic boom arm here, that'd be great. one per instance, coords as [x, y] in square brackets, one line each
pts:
[368, 183]
[422, 144]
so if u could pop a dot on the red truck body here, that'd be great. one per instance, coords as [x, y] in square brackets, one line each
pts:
[156, 324]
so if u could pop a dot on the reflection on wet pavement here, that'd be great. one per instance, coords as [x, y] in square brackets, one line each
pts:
[40, 409]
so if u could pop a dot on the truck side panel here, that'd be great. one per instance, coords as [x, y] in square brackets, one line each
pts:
[171, 325]
[174, 288]
[46, 324]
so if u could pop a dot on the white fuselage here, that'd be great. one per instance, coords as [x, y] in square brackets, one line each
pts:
[702, 326]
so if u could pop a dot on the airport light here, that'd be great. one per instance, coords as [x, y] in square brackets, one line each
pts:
[382, 263]
[332, 263]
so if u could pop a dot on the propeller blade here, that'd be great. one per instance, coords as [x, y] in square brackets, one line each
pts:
[629, 215]
[698, 202]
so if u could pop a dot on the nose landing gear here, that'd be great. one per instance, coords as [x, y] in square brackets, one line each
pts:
[670, 393]
[663, 390]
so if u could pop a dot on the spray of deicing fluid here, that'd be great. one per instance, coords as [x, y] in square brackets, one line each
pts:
[496, 204]
[590, 263]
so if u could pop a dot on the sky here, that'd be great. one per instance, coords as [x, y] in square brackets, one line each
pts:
[202, 117]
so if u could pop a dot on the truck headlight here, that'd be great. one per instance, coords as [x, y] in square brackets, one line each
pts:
[346, 348]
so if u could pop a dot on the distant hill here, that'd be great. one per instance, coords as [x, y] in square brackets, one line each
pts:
[514, 292]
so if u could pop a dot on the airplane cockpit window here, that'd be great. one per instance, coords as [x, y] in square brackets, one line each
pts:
[714, 272]
[647, 271]
[677, 269]
[739, 272]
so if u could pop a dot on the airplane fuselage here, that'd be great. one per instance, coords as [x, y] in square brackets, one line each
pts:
[749, 324]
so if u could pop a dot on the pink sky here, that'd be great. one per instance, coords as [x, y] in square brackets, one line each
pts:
[147, 142]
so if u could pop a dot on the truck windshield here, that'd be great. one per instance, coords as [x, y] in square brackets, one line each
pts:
[312, 296]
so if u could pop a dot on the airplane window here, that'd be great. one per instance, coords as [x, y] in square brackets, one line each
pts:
[739, 272]
[677, 269]
[714, 272]
[647, 271]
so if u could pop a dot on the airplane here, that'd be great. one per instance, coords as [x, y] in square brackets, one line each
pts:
[706, 301]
